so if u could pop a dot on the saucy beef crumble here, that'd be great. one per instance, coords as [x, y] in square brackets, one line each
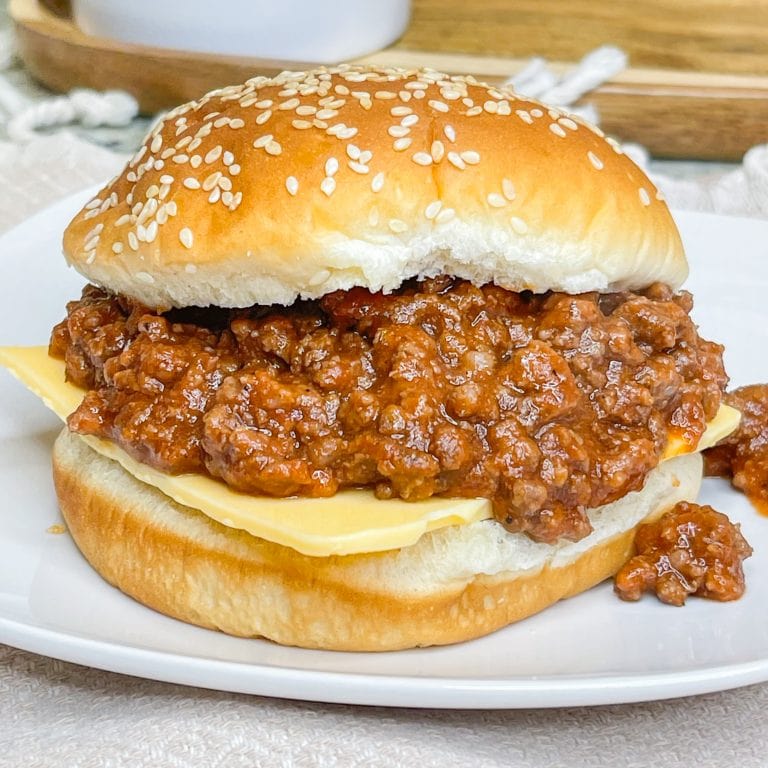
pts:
[743, 455]
[545, 404]
[690, 550]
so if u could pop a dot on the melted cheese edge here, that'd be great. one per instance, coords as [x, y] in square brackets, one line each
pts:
[350, 522]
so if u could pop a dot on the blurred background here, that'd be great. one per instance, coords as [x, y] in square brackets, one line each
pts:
[682, 83]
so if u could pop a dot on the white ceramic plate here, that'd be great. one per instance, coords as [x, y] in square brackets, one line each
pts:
[592, 649]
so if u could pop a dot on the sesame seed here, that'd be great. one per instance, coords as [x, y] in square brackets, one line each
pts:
[234, 169]
[616, 146]
[331, 166]
[595, 160]
[437, 150]
[196, 161]
[180, 159]
[273, 148]
[221, 122]
[172, 208]
[90, 214]
[301, 125]
[491, 107]
[92, 243]
[236, 123]
[90, 257]
[409, 121]
[228, 158]
[123, 220]
[433, 209]
[508, 188]
[450, 133]
[264, 104]
[186, 237]
[504, 108]
[422, 158]
[401, 144]
[305, 110]
[455, 159]
[191, 183]
[213, 155]
[384, 95]
[353, 151]
[537, 113]
[377, 182]
[292, 185]
[348, 133]
[358, 167]
[162, 215]
[263, 117]
[328, 185]
[117, 248]
[133, 241]
[152, 191]
[440, 106]
[227, 197]
[365, 157]
[141, 232]
[327, 114]
[152, 231]
[181, 143]
[644, 197]
[470, 157]
[397, 226]
[290, 104]
[495, 200]
[97, 230]
[400, 111]
[166, 179]
[473, 111]
[225, 183]
[159, 165]
[568, 123]
[145, 277]
[445, 215]
[215, 195]
[262, 141]
[398, 131]
[518, 225]
[95, 203]
[557, 130]
[211, 181]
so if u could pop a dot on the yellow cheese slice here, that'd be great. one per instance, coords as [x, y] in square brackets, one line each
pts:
[352, 521]
[349, 522]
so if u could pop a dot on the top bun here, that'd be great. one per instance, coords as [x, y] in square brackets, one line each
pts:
[308, 182]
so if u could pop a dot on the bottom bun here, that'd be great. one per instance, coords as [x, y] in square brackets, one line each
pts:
[454, 584]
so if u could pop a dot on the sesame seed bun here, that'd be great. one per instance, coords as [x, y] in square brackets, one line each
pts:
[310, 182]
[454, 584]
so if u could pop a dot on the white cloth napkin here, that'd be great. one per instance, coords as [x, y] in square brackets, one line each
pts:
[58, 714]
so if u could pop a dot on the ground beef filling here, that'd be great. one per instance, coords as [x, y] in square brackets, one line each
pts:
[743, 455]
[545, 404]
[691, 550]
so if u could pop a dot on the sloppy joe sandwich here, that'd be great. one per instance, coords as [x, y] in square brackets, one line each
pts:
[372, 359]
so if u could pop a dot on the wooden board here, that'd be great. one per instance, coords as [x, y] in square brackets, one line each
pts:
[675, 113]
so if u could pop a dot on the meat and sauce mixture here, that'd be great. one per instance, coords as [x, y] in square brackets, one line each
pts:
[545, 404]
[743, 455]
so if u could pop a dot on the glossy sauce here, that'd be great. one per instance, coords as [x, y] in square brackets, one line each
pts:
[743, 455]
[545, 404]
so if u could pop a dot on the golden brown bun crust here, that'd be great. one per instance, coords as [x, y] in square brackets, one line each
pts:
[183, 564]
[311, 182]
